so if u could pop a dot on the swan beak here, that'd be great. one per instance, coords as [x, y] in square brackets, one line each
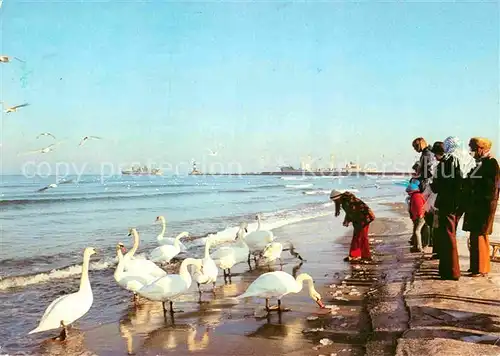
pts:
[246, 230]
[124, 250]
[129, 234]
[320, 303]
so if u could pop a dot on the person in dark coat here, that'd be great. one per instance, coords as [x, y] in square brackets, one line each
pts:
[361, 216]
[480, 205]
[447, 184]
[424, 163]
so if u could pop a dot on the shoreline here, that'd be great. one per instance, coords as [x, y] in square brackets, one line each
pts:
[215, 326]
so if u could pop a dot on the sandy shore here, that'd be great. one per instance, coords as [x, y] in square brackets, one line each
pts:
[215, 325]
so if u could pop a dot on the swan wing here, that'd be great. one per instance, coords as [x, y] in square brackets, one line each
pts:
[144, 267]
[133, 282]
[222, 252]
[164, 253]
[170, 241]
[271, 284]
[66, 308]
[272, 251]
[259, 237]
[164, 288]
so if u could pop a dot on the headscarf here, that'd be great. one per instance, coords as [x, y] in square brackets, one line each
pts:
[413, 187]
[481, 145]
[461, 158]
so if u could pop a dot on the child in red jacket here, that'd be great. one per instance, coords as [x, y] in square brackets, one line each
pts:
[417, 213]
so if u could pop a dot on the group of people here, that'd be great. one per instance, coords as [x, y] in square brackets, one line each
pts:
[448, 183]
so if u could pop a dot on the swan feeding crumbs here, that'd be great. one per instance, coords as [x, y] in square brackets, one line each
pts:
[68, 308]
[277, 285]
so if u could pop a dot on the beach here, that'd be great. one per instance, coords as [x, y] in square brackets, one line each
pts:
[41, 257]
[370, 305]
[216, 325]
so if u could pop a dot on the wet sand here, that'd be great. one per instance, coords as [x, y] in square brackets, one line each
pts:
[216, 325]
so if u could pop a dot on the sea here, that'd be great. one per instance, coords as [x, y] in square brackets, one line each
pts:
[44, 232]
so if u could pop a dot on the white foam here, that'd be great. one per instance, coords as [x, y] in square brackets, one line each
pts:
[293, 178]
[269, 221]
[317, 192]
[298, 186]
[23, 281]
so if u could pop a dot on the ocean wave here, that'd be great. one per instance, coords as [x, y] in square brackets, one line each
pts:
[299, 186]
[29, 201]
[267, 186]
[317, 192]
[293, 178]
[66, 272]
[327, 191]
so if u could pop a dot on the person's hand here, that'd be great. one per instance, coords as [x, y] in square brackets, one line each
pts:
[345, 223]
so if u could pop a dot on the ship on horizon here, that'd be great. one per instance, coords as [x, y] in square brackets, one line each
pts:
[142, 171]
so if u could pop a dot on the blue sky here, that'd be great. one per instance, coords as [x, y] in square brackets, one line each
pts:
[270, 81]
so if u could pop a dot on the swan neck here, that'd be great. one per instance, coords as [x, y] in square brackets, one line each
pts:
[241, 239]
[84, 280]
[136, 244]
[183, 270]
[163, 229]
[258, 222]
[177, 241]
[121, 265]
[300, 281]
[207, 248]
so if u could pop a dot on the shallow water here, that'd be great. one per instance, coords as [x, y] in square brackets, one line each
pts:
[54, 232]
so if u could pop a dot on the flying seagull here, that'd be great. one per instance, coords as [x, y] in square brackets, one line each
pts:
[47, 149]
[46, 134]
[13, 108]
[7, 59]
[214, 152]
[89, 138]
[53, 185]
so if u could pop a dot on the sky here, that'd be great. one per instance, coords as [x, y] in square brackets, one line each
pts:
[267, 83]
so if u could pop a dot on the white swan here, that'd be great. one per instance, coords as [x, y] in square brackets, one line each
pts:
[171, 286]
[209, 271]
[162, 240]
[273, 251]
[258, 240]
[140, 265]
[227, 256]
[278, 284]
[166, 252]
[131, 281]
[68, 308]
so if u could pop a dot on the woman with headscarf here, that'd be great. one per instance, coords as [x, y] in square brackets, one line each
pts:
[480, 205]
[361, 216]
[424, 163]
[448, 184]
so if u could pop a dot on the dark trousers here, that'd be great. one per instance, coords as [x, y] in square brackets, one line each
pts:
[449, 266]
[429, 221]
